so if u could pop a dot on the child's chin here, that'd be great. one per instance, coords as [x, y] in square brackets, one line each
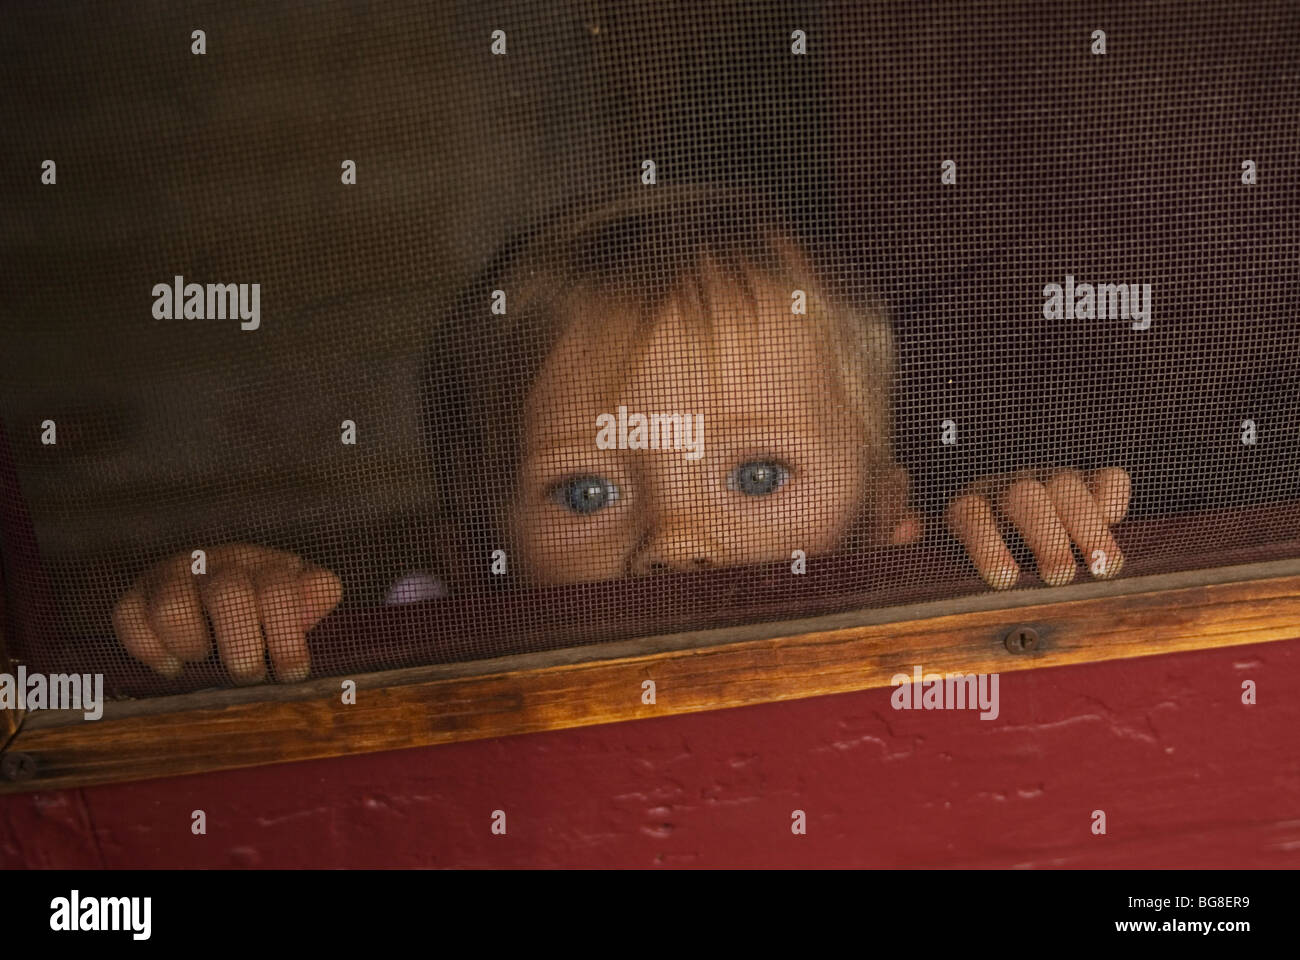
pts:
[557, 576]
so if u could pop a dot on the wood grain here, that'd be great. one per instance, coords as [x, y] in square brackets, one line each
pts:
[692, 672]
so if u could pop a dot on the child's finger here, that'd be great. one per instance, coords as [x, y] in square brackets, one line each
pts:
[176, 616]
[1111, 488]
[971, 520]
[280, 601]
[231, 602]
[1026, 504]
[1083, 518]
[131, 624]
[321, 590]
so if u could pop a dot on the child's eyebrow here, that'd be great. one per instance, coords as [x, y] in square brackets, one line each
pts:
[749, 418]
[568, 457]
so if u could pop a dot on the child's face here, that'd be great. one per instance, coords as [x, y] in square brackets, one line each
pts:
[782, 465]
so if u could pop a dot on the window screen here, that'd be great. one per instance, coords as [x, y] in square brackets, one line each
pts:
[340, 337]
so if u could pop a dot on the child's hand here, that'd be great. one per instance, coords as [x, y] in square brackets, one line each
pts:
[1067, 507]
[246, 591]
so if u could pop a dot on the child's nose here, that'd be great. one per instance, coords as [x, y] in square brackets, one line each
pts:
[674, 547]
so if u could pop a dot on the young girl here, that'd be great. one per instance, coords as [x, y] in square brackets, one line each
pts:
[661, 385]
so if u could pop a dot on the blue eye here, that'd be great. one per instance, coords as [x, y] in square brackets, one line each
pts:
[585, 494]
[758, 478]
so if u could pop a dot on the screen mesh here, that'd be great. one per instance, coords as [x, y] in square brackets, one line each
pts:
[341, 337]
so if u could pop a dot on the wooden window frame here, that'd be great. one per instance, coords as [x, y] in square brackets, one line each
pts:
[693, 671]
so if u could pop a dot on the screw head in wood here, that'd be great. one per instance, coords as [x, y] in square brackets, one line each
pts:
[17, 766]
[1022, 639]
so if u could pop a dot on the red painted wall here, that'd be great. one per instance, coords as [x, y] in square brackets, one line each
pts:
[1187, 776]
